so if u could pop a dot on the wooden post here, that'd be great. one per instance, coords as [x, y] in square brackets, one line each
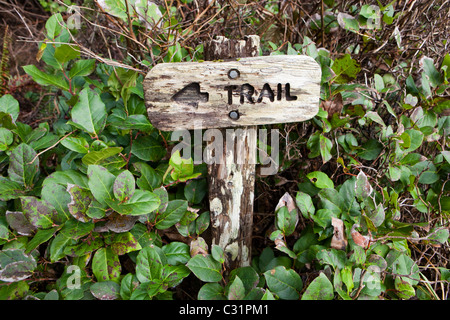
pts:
[232, 178]
[230, 96]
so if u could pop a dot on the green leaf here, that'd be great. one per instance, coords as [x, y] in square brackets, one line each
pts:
[431, 72]
[149, 179]
[305, 204]
[82, 68]
[128, 284]
[65, 53]
[325, 148]
[23, 165]
[345, 69]
[89, 113]
[370, 150]
[142, 202]
[41, 236]
[10, 189]
[46, 79]
[149, 264]
[404, 289]
[79, 203]
[319, 289]
[286, 221]
[236, 291]
[148, 148]
[99, 156]
[58, 197]
[176, 253]
[348, 22]
[57, 246]
[105, 290]
[285, 283]
[18, 222]
[101, 183]
[124, 242]
[211, 291]
[14, 290]
[195, 190]
[124, 186]
[320, 180]
[15, 265]
[40, 213]
[10, 105]
[54, 25]
[173, 213]
[205, 268]
[106, 265]
[77, 144]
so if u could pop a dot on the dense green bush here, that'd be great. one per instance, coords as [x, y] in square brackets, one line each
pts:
[92, 193]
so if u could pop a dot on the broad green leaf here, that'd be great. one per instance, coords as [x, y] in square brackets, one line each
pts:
[285, 283]
[305, 204]
[105, 290]
[320, 180]
[205, 268]
[82, 68]
[211, 291]
[54, 25]
[173, 213]
[65, 53]
[217, 253]
[370, 150]
[79, 203]
[124, 186]
[347, 22]
[404, 289]
[325, 148]
[236, 290]
[363, 189]
[441, 235]
[249, 277]
[335, 258]
[176, 253]
[83, 248]
[75, 229]
[23, 165]
[99, 156]
[195, 190]
[46, 79]
[319, 289]
[10, 105]
[431, 72]
[57, 246]
[202, 222]
[128, 284]
[89, 113]
[345, 68]
[10, 189]
[106, 265]
[15, 265]
[142, 202]
[286, 221]
[67, 176]
[149, 179]
[41, 236]
[124, 242]
[77, 144]
[58, 197]
[101, 183]
[14, 290]
[148, 148]
[149, 264]
[39, 212]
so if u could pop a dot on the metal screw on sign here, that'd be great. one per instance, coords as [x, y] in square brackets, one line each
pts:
[231, 98]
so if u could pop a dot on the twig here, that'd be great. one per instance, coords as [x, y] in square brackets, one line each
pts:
[51, 147]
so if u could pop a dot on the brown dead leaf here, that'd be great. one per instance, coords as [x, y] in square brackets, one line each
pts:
[360, 240]
[286, 201]
[338, 241]
[334, 105]
[198, 246]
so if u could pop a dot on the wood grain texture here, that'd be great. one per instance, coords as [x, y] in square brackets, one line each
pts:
[213, 94]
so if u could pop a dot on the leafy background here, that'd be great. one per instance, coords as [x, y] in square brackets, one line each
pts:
[94, 205]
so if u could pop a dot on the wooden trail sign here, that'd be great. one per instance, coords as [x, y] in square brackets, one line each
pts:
[242, 93]
[249, 91]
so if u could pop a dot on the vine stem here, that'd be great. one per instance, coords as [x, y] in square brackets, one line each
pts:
[51, 147]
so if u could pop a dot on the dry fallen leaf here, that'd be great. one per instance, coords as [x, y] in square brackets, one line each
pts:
[338, 241]
[286, 201]
[333, 106]
[360, 240]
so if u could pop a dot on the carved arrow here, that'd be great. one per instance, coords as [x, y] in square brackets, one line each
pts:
[191, 95]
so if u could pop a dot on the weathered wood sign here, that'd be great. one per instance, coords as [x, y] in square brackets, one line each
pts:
[248, 91]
